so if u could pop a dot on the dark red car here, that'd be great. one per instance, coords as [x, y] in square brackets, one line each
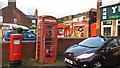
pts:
[95, 52]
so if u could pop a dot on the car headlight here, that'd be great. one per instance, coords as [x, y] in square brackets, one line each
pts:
[83, 56]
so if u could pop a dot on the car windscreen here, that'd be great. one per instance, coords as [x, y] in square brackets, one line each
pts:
[92, 42]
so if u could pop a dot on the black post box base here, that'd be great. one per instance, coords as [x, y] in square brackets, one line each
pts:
[15, 63]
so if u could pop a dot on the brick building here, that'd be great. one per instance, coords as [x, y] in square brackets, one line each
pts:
[110, 20]
[83, 24]
[11, 14]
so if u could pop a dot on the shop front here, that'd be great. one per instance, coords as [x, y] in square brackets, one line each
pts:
[78, 29]
[110, 20]
[63, 30]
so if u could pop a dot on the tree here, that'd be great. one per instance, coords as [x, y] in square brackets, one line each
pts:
[30, 11]
[19, 30]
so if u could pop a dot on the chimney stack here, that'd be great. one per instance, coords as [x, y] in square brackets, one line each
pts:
[99, 3]
[12, 3]
[36, 12]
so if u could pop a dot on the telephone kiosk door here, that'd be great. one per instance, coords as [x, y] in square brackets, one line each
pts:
[48, 39]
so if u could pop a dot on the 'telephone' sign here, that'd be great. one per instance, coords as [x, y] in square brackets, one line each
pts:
[110, 12]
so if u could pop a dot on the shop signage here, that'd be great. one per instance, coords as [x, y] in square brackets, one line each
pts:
[47, 20]
[110, 12]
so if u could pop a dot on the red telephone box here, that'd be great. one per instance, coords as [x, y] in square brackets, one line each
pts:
[15, 49]
[48, 38]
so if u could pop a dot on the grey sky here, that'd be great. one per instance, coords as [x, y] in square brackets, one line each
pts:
[57, 8]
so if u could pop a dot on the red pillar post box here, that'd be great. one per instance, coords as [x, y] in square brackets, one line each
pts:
[48, 38]
[15, 49]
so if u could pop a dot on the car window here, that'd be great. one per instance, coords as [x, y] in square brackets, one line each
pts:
[113, 43]
[31, 35]
[24, 34]
[9, 33]
[119, 41]
[28, 35]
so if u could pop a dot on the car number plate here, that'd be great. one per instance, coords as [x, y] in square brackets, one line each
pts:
[69, 61]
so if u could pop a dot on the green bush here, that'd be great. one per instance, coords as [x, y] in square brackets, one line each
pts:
[33, 27]
[19, 30]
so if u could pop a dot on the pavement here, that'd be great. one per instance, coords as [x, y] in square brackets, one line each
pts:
[31, 63]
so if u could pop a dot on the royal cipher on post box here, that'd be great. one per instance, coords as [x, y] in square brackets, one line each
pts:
[15, 49]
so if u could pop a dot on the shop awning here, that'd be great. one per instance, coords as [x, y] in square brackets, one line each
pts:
[62, 26]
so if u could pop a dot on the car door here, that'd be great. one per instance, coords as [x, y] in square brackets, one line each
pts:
[111, 52]
[119, 49]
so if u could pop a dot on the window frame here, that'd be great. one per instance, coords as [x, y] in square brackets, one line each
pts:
[103, 26]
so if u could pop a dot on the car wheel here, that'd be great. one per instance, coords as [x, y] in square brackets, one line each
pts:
[97, 64]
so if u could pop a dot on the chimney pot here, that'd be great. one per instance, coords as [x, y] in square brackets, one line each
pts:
[12, 3]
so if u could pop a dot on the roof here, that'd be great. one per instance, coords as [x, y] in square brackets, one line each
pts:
[11, 26]
[110, 5]
[32, 17]
[93, 10]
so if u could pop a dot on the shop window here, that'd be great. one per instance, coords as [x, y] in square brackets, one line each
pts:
[60, 32]
[107, 31]
[118, 32]
[118, 22]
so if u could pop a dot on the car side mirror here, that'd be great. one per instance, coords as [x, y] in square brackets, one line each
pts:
[108, 48]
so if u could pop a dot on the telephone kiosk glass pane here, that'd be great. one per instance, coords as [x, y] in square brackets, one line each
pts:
[16, 41]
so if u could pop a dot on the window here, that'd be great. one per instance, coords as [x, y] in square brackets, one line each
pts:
[15, 20]
[60, 31]
[113, 43]
[107, 31]
[106, 28]
[118, 22]
[119, 41]
[33, 21]
[1, 19]
[5, 27]
[93, 42]
[118, 28]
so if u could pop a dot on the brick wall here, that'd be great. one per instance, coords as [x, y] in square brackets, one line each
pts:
[64, 43]
[29, 47]
[28, 50]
